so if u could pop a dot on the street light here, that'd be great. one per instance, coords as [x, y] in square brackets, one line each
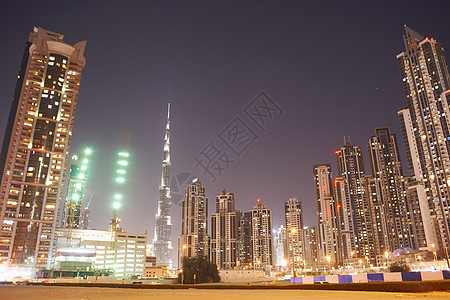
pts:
[434, 251]
[386, 254]
[328, 258]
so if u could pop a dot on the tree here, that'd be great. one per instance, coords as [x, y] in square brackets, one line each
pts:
[198, 270]
[399, 267]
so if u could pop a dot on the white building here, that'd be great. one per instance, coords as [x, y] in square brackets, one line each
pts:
[124, 254]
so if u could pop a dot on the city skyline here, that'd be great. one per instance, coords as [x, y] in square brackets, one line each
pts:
[253, 163]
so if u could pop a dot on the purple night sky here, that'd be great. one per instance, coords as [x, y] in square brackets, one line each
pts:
[331, 67]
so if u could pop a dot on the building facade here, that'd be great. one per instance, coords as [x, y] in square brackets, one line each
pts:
[225, 232]
[162, 244]
[194, 239]
[36, 145]
[262, 240]
[425, 123]
[327, 218]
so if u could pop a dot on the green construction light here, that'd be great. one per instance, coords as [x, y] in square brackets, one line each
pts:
[75, 197]
[124, 154]
[121, 171]
[83, 168]
[116, 205]
[120, 179]
[78, 186]
[81, 176]
[88, 151]
[117, 196]
[122, 162]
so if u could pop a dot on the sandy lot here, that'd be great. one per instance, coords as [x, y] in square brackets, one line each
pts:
[43, 292]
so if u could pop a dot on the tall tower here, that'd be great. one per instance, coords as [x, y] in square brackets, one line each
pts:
[194, 239]
[262, 241]
[294, 232]
[351, 192]
[386, 168]
[36, 145]
[162, 243]
[326, 215]
[224, 232]
[425, 123]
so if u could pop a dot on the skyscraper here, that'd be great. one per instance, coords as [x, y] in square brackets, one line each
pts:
[425, 123]
[262, 241]
[294, 232]
[280, 246]
[310, 242]
[245, 250]
[162, 243]
[327, 218]
[35, 147]
[194, 239]
[351, 192]
[225, 232]
[386, 168]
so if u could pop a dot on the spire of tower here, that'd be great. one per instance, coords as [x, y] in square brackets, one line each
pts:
[167, 138]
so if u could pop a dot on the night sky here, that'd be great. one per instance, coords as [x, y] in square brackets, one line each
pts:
[330, 67]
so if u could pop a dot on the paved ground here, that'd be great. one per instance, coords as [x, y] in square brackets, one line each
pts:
[44, 292]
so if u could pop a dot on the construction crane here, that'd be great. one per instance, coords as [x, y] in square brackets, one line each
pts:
[121, 168]
[75, 194]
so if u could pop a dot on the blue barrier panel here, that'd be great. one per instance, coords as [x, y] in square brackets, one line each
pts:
[411, 276]
[298, 280]
[319, 278]
[446, 274]
[345, 279]
[292, 280]
[375, 277]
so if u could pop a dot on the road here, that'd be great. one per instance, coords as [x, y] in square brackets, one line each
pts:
[88, 293]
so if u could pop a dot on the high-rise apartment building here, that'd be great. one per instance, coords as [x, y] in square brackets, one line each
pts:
[262, 241]
[225, 232]
[194, 239]
[293, 216]
[352, 195]
[162, 244]
[425, 123]
[327, 218]
[386, 168]
[36, 145]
